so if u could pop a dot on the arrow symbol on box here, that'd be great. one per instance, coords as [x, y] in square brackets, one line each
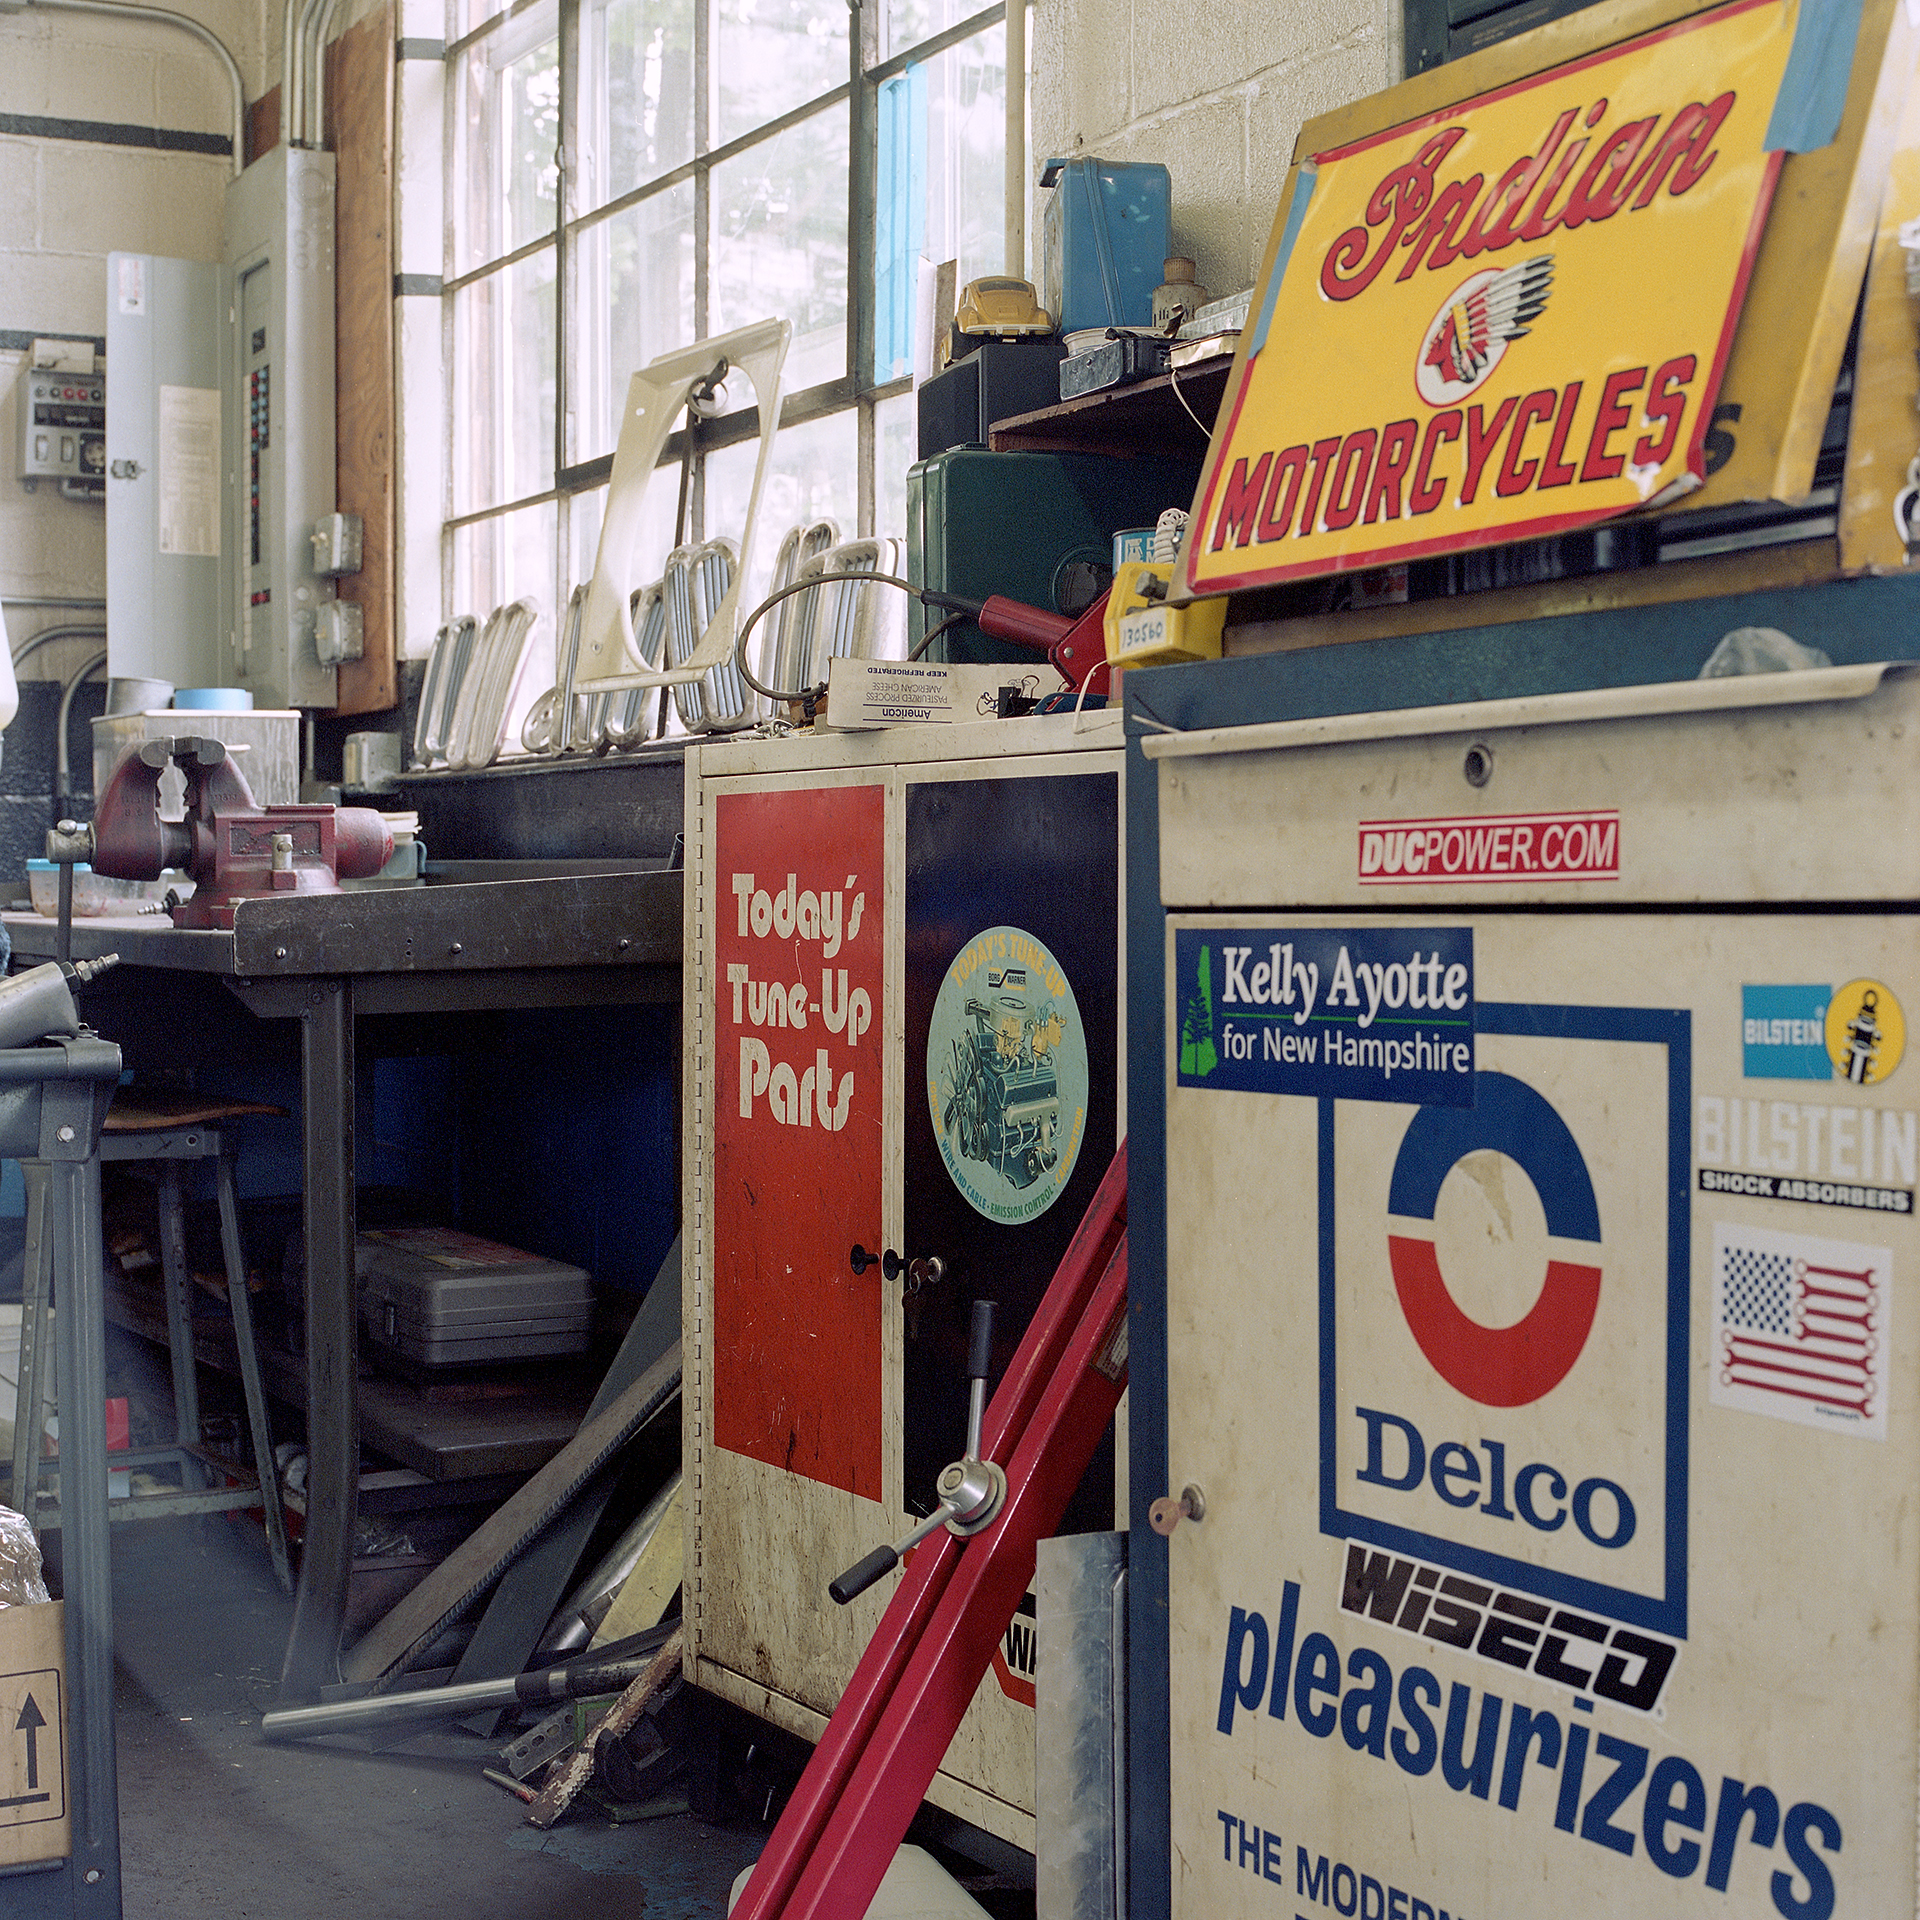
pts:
[30, 1722]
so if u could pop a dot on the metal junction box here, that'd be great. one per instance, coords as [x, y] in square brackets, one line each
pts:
[1541, 1156]
[903, 982]
[279, 428]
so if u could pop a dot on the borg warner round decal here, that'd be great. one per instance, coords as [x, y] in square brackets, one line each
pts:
[1007, 1075]
[1497, 1366]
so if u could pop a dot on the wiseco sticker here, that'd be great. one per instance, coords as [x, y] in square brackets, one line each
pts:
[1512, 846]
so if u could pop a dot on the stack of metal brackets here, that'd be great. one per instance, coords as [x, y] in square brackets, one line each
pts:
[471, 679]
[696, 581]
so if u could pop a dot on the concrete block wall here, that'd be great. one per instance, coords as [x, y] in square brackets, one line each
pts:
[1216, 94]
[68, 201]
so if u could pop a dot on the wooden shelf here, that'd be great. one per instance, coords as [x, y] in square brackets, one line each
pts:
[1142, 421]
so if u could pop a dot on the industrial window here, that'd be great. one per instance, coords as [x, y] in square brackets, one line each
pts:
[1441, 30]
[626, 176]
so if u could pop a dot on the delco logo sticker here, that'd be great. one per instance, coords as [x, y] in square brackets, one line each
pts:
[1504, 1317]
[1379, 1013]
[1490, 847]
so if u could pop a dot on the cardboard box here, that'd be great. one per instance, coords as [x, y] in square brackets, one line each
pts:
[35, 1819]
[891, 693]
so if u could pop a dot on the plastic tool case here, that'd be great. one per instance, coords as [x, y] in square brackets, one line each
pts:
[1106, 234]
[437, 1298]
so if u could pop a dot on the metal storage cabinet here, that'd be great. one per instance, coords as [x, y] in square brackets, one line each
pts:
[879, 926]
[1532, 1328]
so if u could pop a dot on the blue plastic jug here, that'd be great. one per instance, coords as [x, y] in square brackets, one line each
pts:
[1108, 228]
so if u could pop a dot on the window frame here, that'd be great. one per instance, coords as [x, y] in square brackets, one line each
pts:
[855, 389]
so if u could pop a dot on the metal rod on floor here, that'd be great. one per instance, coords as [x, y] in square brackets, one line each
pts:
[449, 1703]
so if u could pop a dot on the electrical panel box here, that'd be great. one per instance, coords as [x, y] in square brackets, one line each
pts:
[279, 430]
[166, 481]
[61, 407]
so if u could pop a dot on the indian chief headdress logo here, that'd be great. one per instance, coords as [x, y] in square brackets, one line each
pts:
[1465, 340]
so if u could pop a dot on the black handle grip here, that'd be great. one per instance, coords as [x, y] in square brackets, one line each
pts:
[862, 1574]
[980, 1344]
[578, 1682]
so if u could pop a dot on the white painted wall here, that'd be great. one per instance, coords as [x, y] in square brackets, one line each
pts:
[66, 204]
[1217, 94]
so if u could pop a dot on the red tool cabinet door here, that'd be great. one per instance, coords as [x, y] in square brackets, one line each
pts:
[798, 978]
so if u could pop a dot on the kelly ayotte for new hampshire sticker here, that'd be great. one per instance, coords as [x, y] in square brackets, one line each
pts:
[1503, 320]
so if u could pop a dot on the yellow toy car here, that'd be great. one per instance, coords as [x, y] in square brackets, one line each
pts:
[1004, 308]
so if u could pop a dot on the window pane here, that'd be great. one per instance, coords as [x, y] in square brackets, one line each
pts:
[942, 165]
[503, 384]
[635, 298]
[506, 101]
[771, 56]
[511, 558]
[905, 23]
[896, 441]
[637, 94]
[814, 475]
[657, 518]
[780, 243]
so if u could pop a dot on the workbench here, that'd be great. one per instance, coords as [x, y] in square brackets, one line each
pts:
[600, 939]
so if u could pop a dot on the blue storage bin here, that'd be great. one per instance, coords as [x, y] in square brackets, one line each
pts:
[1106, 235]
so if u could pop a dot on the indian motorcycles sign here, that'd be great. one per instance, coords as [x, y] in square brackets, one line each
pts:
[1503, 320]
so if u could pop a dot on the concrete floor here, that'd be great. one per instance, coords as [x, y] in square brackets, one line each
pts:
[215, 1822]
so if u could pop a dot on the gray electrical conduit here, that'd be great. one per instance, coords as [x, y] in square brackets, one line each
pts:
[32, 644]
[291, 71]
[163, 17]
[303, 71]
[89, 630]
[295, 87]
[317, 72]
[63, 761]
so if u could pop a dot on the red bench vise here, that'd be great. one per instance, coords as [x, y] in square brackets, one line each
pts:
[234, 848]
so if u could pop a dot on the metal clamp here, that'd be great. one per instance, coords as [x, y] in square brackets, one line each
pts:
[972, 1490]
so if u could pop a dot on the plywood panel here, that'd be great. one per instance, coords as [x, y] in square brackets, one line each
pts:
[359, 129]
[263, 124]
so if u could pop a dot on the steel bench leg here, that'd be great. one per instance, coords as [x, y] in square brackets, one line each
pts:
[242, 1309]
[74, 1211]
[178, 1285]
[36, 1290]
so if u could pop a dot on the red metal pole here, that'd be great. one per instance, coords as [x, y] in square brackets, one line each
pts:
[896, 1640]
[897, 1763]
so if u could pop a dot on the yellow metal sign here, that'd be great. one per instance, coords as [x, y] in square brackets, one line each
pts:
[1502, 320]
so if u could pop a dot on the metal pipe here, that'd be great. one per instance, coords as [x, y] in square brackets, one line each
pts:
[47, 635]
[451, 1703]
[169, 19]
[293, 111]
[1016, 176]
[52, 600]
[62, 760]
[317, 73]
[289, 69]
